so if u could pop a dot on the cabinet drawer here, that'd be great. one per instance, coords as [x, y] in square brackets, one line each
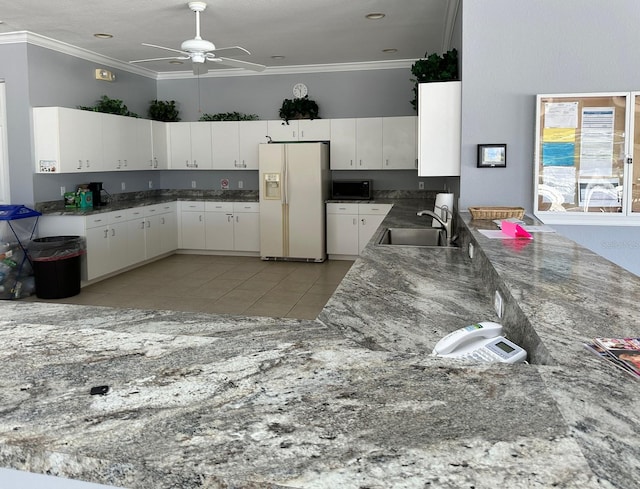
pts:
[226, 207]
[342, 208]
[191, 205]
[150, 210]
[246, 207]
[381, 209]
[97, 220]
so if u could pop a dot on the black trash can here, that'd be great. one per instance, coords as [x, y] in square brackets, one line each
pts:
[57, 265]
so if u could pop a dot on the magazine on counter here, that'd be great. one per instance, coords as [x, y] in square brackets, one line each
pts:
[622, 352]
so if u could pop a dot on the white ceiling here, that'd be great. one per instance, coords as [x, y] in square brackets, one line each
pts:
[306, 32]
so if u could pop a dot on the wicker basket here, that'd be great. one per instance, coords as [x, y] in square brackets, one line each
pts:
[496, 212]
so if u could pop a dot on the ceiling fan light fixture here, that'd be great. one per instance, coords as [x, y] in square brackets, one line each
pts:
[277, 56]
[176, 62]
[103, 35]
[375, 16]
[390, 50]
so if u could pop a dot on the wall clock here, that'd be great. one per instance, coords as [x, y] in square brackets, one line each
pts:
[300, 90]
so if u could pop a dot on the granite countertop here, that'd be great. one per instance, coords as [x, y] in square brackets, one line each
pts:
[352, 399]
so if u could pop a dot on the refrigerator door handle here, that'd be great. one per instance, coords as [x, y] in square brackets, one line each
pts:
[285, 180]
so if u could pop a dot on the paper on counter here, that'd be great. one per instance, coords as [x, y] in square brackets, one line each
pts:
[514, 230]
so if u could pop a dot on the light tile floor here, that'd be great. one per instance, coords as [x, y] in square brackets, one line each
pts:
[236, 285]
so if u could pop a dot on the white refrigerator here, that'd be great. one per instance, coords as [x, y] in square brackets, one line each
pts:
[294, 186]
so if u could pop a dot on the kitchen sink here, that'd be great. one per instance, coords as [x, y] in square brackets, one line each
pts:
[426, 237]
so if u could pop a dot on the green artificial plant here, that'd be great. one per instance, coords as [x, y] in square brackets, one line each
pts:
[432, 68]
[163, 110]
[109, 106]
[298, 108]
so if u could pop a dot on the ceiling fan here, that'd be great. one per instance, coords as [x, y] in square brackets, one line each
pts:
[200, 51]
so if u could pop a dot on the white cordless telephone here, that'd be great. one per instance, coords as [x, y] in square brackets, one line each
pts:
[481, 342]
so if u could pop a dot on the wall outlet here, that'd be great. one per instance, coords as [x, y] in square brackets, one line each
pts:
[150, 183]
[63, 189]
[420, 185]
[240, 184]
[471, 250]
[193, 184]
[497, 304]
[123, 185]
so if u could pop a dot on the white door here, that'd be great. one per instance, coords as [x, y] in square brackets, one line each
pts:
[304, 200]
[279, 130]
[219, 231]
[314, 130]
[180, 145]
[192, 230]
[342, 234]
[246, 231]
[159, 136]
[201, 151]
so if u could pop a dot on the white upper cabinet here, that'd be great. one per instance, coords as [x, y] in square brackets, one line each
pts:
[439, 114]
[126, 142]
[159, 146]
[299, 130]
[399, 143]
[235, 144]
[67, 140]
[356, 144]
[190, 145]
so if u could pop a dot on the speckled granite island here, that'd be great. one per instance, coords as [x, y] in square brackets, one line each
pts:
[351, 400]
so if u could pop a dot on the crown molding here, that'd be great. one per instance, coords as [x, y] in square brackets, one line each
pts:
[294, 69]
[64, 48]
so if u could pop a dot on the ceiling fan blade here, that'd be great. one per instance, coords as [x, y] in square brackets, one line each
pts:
[240, 64]
[231, 51]
[158, 59]
[165, 48]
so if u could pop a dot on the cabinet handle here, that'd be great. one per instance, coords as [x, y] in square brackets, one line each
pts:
[87, 163]
[301, 134]
[355, 222]
[106, 233]
[79, 165]
[363, 221]
[125, 163]
[162, 220]
[200, 217]
[195, 163]
[155, 162]
[387, 162]
[237, 219]
[350, 162]
[113, 231]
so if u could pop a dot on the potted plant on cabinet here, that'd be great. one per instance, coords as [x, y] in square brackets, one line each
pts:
[109, 105]
[434, 68]
[164, 110]
[298, 108]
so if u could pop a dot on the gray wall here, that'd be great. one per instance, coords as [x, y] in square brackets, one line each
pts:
[515, 50]
[373, 93]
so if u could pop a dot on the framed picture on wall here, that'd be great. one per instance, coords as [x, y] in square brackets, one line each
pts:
[492, 155]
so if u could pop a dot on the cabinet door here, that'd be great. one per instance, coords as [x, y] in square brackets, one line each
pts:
[439, 129]
[160, 146]
[98, 260]
[180, 145]
[80, 139]
[251, 134]
[142, 146]
[399, 143]
[369, 143]
[368, 225]
[219, 231]
[343, 144]
[136, 243]
[314, 130]
[225, 141]
[153, 236]
[192, 230]
[246, 231]
[169, 227]
[114, 138]
[278, 130]
[342, 234]
[201, 151]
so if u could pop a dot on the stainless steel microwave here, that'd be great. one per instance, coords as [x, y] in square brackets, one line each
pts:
[351, 190]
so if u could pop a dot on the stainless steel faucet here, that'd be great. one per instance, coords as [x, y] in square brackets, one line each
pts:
[443, 219]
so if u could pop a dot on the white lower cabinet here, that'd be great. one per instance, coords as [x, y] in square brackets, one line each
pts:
[118, 239]
[220, 226]
[351, 226]
[161, 230]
